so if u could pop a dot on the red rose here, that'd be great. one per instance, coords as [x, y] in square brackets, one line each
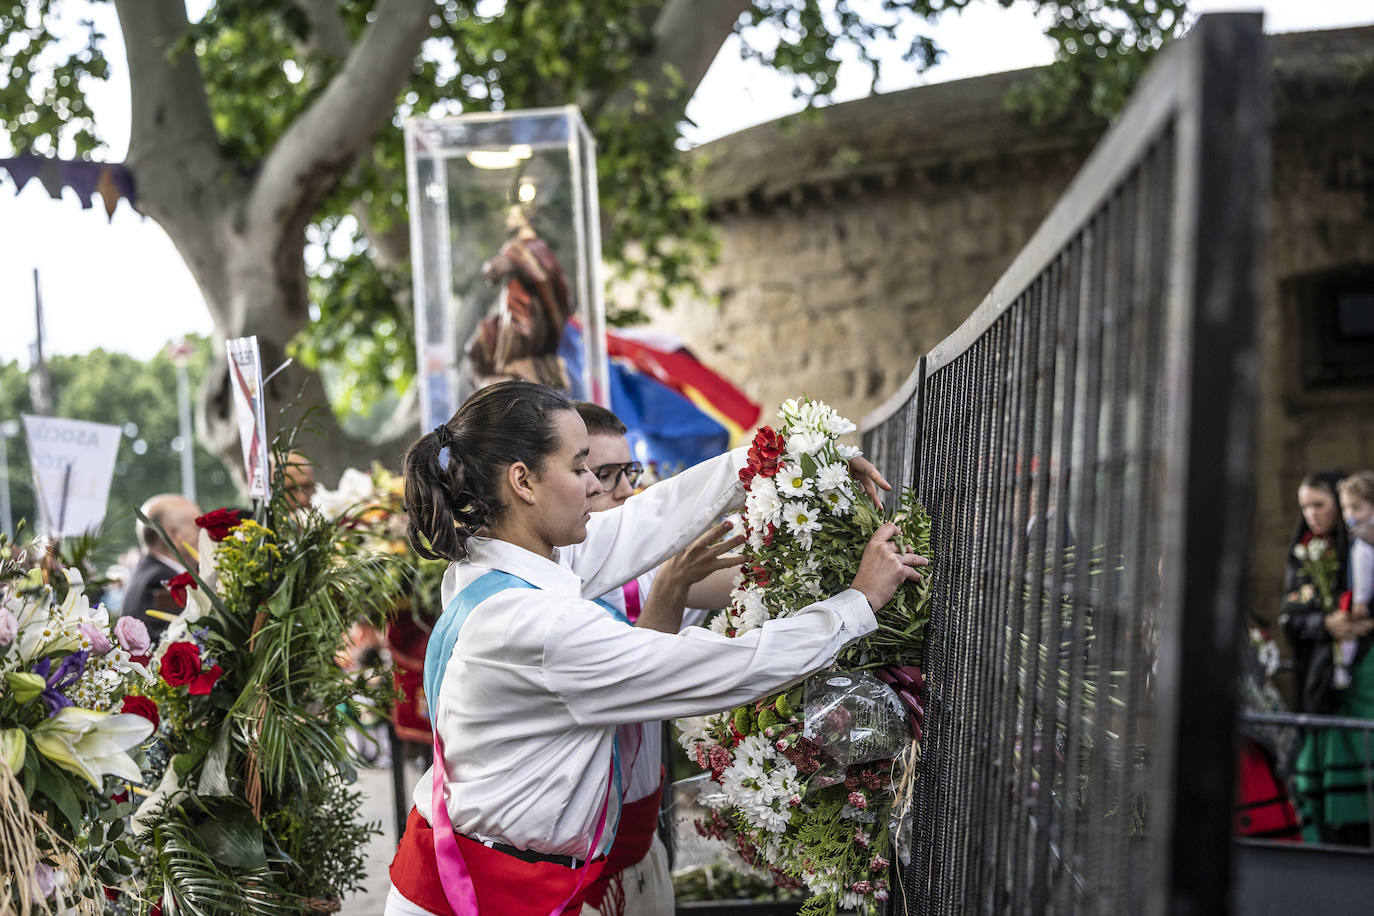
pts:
[141, 706]
[201, 683]
[220, 522]
[180, 663]
[178, 584]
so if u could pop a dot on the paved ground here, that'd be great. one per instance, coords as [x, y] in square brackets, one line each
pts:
[375, 784]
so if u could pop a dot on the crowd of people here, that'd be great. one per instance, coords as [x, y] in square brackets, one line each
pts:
[1324, 615]
[572, 629]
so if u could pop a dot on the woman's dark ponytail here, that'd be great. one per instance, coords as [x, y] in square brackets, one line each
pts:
[453, 474]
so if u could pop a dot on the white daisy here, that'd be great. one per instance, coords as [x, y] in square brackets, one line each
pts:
[832, 476]
[836, 425]
[793, 482]
[838, 502]
[763, 503]
[848, 451]
[805, 442]
[801, 519]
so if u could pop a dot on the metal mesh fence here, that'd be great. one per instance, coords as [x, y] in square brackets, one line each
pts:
[1055, 439]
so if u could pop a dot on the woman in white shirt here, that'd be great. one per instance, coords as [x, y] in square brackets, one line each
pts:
[527, 678]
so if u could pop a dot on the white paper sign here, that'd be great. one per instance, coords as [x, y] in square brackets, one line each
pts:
[73, 464]
[245, 378]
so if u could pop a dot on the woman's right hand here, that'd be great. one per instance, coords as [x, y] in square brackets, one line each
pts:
[885, 567]
[1342, 626]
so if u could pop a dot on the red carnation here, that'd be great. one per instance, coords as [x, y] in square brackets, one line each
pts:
[201, 683]
[220, 522]
[180, 663]
[719, 759]
[141, 706]
[178, 584]
[765, 451]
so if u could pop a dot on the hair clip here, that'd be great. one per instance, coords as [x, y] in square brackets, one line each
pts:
[443, 458]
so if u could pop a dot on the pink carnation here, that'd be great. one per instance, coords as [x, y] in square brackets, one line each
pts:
[857, 800]
[781, 745]
[861, 838]
[861, 887]
[878, 863]
[9, 626]
[100, 643]
[794, 801]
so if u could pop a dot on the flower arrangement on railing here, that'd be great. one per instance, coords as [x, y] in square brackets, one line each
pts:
[69, 736]
[806, 780]
[253, 811]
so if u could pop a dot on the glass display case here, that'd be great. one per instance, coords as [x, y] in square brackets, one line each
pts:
[506, 253]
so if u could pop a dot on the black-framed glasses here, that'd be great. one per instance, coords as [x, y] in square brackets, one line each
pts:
[609, 474]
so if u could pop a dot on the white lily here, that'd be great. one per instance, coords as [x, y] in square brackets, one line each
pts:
[92, 744]
[12, 745]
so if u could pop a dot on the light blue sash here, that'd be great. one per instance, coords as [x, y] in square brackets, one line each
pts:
[439, 649]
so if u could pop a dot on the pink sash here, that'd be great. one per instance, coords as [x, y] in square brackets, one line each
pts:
[453, 869]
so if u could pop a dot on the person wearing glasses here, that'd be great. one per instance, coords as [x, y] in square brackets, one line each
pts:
[529, 678]
[677, 594]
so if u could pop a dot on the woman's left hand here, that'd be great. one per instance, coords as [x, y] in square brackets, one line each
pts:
[863, 471]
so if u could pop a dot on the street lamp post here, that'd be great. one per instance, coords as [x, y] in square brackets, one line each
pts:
[180, 354]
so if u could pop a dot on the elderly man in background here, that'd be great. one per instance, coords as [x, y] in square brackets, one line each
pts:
[146, 590]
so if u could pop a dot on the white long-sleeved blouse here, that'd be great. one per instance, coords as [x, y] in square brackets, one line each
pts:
[539, 678]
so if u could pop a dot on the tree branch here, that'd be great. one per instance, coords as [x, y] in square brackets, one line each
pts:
[688, 35]
[327, 137]
[174, 149]
[168, 102]
[327, 33]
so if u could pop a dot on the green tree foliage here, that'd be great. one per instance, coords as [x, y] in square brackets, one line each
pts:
[264, 61]
[140, 396]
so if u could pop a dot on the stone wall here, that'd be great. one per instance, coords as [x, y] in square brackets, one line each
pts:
[853, 244]
[1321, 219]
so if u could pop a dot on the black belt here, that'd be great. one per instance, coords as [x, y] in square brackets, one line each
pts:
[529, 855]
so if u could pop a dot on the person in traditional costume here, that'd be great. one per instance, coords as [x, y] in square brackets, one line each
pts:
[680, 593]
[528, 679]
[1330, 771]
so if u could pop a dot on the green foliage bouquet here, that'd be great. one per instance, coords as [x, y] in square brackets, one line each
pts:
[68, 737]
[253, 813]
[800, 793]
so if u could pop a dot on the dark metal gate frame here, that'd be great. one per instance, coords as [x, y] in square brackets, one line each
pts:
[1083, 658]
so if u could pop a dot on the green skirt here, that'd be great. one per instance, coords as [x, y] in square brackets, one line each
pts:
[1335, 770]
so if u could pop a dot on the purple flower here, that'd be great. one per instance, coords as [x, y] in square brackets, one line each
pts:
[67, 673]
[43, 877]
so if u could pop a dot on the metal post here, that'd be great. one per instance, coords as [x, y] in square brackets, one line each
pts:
[6, 519]
[188, 441]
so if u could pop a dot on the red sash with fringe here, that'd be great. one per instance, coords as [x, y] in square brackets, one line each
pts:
[504, 884]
